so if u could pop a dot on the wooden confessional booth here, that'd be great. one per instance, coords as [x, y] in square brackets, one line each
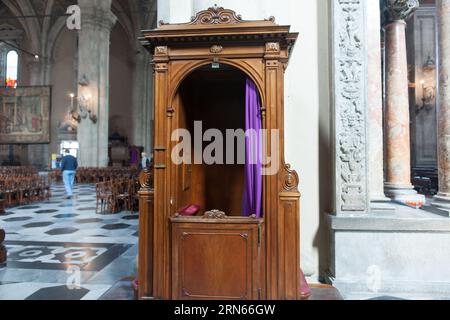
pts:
[200, 72]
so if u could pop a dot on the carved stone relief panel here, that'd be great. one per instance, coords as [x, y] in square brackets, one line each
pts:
[350, 74]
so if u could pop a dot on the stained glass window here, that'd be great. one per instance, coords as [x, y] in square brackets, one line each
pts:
[12, 67]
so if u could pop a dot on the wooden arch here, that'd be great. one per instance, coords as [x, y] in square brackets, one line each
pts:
[191, 67]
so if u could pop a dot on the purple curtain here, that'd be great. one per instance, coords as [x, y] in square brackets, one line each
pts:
[134, 157]
[252, 200]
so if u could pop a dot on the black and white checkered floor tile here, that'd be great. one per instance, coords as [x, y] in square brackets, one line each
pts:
[63, 249]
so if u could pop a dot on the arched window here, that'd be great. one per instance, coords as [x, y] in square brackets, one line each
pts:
[12, 67]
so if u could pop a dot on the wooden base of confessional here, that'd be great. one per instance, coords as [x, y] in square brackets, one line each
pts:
[198, 71]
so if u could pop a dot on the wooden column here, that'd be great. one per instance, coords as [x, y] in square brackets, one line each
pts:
[161, 265]
[282, 205]
[146, 223]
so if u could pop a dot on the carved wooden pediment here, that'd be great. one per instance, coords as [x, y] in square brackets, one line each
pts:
[217, 16]
[217, 27]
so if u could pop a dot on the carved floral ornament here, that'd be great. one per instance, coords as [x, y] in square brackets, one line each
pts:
[273, 47]
[216, 49]
[146, 179]
[161, 50]
[216, 15]
[215, 214]
[291, 179]
[400, 9]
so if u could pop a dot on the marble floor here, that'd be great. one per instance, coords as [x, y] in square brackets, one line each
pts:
[61, 249]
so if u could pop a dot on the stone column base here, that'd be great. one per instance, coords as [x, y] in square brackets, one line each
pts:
[405, 195]
[379, 202]
[379, 198]
[442, 202]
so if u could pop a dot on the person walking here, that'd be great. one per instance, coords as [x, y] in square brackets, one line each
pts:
[69, 166]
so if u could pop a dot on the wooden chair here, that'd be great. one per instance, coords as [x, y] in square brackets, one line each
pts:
[121, 195]
[104, 197]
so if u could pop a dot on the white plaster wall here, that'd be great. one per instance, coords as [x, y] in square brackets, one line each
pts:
[306, 106]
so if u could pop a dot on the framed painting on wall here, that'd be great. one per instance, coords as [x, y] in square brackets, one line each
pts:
[25, 115]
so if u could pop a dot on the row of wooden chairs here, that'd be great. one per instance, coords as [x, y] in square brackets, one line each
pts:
[96, 175]
[20, 190]
[118, 194]
[18, 171]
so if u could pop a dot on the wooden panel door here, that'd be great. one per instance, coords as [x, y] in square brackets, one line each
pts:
[215, 261]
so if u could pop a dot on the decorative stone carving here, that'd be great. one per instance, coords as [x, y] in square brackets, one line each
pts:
[216, 49]
[70, 122]
[350, 100]
[216, 15]
[400, 9]
[84, 81]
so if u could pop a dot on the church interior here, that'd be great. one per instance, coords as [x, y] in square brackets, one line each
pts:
[224, 150]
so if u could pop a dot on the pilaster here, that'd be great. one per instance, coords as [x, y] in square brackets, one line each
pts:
[349, 68]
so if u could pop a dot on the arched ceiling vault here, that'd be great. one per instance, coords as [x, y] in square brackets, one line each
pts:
[44, 19]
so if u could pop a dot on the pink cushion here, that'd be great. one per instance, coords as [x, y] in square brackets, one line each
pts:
[305, 290]
[189, 210]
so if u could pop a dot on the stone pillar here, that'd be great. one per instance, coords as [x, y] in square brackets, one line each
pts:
[97, 21]
[143, 106]
[398, 158]
[375, 107]
[442, 199]
[138, 88]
